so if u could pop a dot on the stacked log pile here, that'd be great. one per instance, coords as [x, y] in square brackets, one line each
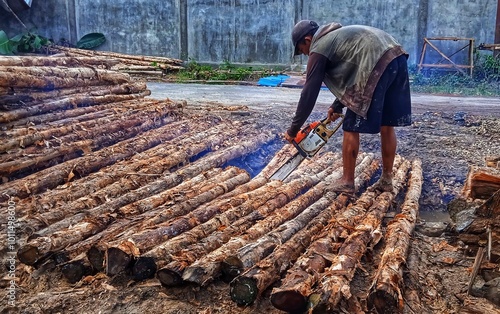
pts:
[106, 180]
[136, 65]
[476, 215]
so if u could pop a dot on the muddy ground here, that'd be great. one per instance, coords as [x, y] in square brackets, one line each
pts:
[448, 134]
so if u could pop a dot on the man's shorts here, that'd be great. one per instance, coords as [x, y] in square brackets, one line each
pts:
[391, 103]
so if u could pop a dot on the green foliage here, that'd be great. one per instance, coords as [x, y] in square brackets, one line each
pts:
[26, 42]
[224, 72]
[91, 40]
[485, 80]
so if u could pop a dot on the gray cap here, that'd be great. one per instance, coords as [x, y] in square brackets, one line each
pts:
[300, 30]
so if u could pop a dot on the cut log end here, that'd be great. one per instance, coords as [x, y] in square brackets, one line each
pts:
[384, 302]
[144, 268]
[169, 277]
[29, 255]
[117, 261]
[231, 268]
[74, 271]
[289, 301]
[96, 258]
[244, 290]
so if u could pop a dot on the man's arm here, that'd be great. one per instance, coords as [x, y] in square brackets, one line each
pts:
[314, 78]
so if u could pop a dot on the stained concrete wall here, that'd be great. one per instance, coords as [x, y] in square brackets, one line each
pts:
[247, 31]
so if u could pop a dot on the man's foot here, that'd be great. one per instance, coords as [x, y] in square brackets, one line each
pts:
[384, 184]
[341, 187]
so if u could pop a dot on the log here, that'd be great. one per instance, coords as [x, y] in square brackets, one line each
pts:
[481, 182]
[49, 178]
[174, 227]
[124, 182]
[121, 56]
[386, 290]
[38, 81]
[245, 288]
[56, 240]
[67, 102]
[97, 244]
[308, 270]
[77, 114]
[208, 267]
[30, 97]
[335, 282]
[251, 212]
[39, 248]
[39, 61]
[143, 241]
[88, 129]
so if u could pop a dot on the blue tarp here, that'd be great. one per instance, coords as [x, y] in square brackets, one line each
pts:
[275, 80]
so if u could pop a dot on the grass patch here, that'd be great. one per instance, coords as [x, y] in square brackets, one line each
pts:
[195, 71]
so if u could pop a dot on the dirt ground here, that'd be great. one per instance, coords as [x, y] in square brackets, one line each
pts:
[448, 134]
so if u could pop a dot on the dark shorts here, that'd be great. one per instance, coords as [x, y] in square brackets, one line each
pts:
[391, 103]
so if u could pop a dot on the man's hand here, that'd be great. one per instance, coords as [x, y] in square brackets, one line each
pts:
[332, 116]
[288, 137]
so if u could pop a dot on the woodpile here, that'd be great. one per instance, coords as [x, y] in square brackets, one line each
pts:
[135, 65]
[476, 215]
[106, 180]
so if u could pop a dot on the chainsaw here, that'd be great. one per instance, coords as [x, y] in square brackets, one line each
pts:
[308, 142]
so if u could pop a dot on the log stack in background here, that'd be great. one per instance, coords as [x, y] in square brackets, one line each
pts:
[106, 180]
[151, 67]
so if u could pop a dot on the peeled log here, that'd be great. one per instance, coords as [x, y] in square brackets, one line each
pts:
[386, 292]
[307, 271]
[120, 56]
[337, 277]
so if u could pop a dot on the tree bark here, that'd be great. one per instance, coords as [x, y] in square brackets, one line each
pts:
[248, 214]
[481, 182]
[208, 267]
[35, 61]
[335, 282]
[119, 56]
[56, 237]
[246, 287]
[386, 291]
[39, 81]
[308, 270]
[65, 103]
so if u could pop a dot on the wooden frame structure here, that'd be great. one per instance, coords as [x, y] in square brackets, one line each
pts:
[459, 67]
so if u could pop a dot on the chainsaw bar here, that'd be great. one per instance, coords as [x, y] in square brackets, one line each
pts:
[284, 171]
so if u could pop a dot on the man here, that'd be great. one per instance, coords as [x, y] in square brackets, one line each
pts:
[366, 70]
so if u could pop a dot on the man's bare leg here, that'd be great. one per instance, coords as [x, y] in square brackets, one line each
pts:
[388, 142]
[350, 148]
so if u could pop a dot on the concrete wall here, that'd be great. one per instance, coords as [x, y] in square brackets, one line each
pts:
[247, 31]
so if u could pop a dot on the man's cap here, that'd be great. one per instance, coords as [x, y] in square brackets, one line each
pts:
[300, 30]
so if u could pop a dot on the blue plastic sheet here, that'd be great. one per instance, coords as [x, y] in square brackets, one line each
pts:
[273, 81]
